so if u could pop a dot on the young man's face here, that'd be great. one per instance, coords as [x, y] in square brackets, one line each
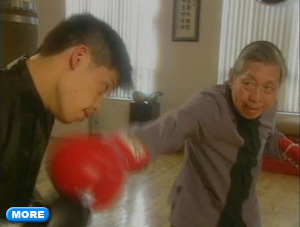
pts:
[81, 91]
[255, 91]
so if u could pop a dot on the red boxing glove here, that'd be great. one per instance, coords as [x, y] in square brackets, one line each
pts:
[133, 152]
[92, 169]
[290, 151]
[84, 169]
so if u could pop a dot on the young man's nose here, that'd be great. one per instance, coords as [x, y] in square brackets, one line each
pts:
[98, 104]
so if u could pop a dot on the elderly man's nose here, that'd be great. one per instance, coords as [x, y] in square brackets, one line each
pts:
[256, 95]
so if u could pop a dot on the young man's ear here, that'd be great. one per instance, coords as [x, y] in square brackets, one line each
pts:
[78, 56]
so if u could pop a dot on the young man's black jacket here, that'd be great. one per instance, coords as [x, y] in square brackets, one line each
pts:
[25, 130]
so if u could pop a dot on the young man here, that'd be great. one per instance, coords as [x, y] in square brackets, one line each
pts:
[80, 61]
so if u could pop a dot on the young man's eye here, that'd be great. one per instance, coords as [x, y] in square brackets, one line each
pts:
[103, 91]
[105, 88]
[108, 88]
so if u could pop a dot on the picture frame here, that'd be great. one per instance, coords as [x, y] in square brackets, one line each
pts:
[186, 14]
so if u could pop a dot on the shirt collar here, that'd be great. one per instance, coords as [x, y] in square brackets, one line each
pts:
[26, 85]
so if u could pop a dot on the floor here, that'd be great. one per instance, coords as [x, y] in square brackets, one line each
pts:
[144, 202]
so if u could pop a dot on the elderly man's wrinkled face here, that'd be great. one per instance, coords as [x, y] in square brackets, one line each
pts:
[256, 90]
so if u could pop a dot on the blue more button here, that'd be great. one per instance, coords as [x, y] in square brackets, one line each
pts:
[28, 214]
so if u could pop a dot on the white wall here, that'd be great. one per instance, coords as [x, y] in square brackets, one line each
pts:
[184, 67]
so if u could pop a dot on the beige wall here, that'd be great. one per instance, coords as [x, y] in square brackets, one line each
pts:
[50, 13]
[184, 67]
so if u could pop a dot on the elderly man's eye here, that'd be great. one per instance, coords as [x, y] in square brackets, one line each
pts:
[248, 84]
[269, 88]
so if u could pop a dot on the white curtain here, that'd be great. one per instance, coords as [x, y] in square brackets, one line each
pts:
[244, 21]
[135, 21]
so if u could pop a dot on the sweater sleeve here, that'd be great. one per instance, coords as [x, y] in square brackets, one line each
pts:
[169, 132]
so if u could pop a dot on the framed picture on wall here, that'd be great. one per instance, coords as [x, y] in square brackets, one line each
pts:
[186, 20]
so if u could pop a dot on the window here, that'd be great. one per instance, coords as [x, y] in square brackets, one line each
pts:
[135, 21]
[244, 21]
